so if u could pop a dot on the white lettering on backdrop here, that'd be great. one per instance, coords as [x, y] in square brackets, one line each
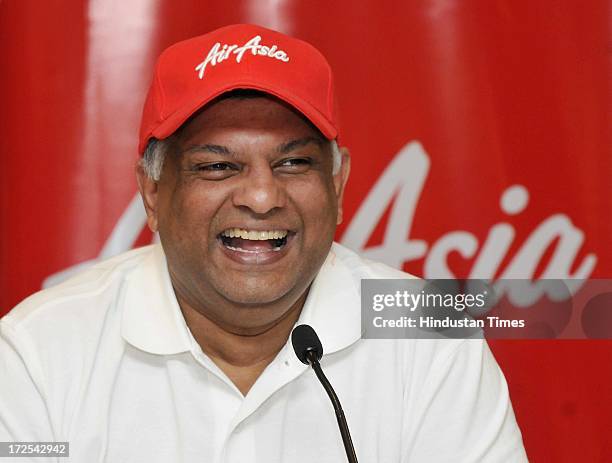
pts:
[402, 182]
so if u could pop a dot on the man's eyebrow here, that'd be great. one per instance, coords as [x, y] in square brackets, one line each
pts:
[298, 143]
[216, 149]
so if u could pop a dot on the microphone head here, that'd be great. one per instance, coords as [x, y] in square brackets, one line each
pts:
[304, 340]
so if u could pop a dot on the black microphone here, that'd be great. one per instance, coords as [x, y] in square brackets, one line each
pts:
[309, 350]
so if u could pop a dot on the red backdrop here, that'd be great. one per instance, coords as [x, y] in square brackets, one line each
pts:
[480, 134]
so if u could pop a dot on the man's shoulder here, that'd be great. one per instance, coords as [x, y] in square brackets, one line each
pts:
[427, 351]
[366, 268]
[72, 300]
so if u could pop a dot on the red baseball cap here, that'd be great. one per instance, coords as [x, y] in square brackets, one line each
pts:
[193, 72]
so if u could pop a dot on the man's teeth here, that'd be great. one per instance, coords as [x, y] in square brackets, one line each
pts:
[254, 234]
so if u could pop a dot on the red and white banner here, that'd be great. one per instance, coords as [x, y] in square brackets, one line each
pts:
[480, 134]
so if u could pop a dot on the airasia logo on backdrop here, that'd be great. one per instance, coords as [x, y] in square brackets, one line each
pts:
[398, 247]
[220, 53]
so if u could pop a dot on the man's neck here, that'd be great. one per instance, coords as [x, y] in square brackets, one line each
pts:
[242, 357]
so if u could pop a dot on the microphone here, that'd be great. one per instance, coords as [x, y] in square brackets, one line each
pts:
[308, 348]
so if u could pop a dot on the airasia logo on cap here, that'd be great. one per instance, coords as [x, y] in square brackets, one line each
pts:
[220, 53]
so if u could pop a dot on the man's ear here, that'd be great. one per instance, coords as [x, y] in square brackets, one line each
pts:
[148, 191]
[340, 179]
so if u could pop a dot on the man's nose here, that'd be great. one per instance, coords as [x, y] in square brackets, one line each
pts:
[260, 191]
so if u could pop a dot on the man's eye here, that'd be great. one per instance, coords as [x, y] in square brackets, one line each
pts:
[215, 170]
[217, 166]
[294, 164]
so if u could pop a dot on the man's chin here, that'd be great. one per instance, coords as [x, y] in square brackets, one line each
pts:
[256, 312]
[264, 290]
[253, 295]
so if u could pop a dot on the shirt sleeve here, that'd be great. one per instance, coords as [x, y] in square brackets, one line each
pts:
[463, 411]
[23, 413]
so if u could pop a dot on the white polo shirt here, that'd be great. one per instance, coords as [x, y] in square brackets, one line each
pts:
[107, 362]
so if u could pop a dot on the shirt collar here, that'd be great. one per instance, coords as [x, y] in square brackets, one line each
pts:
[153, 322]
[333, 305]
[152, 319]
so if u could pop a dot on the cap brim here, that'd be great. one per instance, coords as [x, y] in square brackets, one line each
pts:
[178, 118]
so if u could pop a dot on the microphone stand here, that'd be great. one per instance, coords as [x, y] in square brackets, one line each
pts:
[311, 355]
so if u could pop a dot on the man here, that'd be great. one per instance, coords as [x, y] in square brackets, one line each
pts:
[180, 352]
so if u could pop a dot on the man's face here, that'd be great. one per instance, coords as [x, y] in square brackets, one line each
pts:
[246, 208]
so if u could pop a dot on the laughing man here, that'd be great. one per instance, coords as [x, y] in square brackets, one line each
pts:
[179, 352]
